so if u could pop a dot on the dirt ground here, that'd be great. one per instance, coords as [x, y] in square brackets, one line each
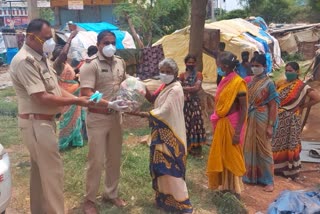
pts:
[253, 197]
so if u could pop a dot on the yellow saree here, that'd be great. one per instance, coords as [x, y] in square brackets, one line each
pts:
[226, 161]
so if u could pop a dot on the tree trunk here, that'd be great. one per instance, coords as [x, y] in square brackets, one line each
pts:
[33, 10]
[198, 17]
[149, 39]
[134, 33]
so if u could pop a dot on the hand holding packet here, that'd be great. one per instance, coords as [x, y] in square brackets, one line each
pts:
[132, 92]
[118, 105]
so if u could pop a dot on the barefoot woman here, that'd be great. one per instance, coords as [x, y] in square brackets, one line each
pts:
[263, 106]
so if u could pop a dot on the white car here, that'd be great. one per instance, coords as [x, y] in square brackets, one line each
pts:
[5, 180]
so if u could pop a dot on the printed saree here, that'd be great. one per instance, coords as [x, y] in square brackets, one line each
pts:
[70, 123]
[257, 146]
[286, 144]
[196, 133]
[168, 151]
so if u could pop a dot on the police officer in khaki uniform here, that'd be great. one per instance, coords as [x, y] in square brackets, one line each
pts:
[103, 72]
[39, 99]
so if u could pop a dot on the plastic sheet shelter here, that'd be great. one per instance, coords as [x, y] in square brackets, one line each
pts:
[232, 33]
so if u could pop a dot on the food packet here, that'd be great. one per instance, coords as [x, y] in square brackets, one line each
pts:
[132, 92]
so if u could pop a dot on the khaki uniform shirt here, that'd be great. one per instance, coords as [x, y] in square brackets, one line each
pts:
[32, 73]
[98, 75]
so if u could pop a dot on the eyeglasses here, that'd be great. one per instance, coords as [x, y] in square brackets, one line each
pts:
[109, 43]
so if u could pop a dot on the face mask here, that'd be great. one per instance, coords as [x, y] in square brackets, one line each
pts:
[291, 76]
[109, 50]
[166, 79]
[190, 67]
[257, 70]
[49, 45]
[221, 72]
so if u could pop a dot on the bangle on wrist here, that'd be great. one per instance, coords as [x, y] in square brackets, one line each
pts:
[270, 123]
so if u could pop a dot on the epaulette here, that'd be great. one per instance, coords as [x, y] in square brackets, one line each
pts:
[33, 62]
[91, 58]
[30, 60]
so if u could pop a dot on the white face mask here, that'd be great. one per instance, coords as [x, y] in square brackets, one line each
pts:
[49, 46]
[257, 70]
[166, 78]
[109, 50]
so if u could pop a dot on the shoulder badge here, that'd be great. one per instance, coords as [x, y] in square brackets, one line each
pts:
[30, 59]
[33, 62]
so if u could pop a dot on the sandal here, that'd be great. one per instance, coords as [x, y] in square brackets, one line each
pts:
[314, 153]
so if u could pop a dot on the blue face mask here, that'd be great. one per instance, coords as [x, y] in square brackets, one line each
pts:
[221, 72]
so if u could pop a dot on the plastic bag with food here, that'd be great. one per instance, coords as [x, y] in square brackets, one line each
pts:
[132, 92]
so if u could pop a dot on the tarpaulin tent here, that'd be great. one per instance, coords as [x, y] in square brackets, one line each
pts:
[87, 36]
[234, 33]
[296, 38]
[123, 38]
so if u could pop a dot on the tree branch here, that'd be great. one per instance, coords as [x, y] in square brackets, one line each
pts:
[133, 31]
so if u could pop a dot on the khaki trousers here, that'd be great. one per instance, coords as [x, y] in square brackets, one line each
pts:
[105, 145]
[46, 177]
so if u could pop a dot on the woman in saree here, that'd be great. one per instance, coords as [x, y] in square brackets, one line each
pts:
[226, 162]
[262, 120]
[191, 81]
[168, 149]
[70, 122]
[286, 144]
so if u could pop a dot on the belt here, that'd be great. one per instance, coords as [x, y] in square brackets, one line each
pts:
[101, 111]
[37, 116]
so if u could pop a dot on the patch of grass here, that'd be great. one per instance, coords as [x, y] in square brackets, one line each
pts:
[228, 203]
[8, 103]
[136, 132]
[7, 92]
[135, 183]
[292, 57]
[9, 132]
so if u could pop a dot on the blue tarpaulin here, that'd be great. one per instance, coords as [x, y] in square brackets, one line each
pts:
[296, 202]
[260, 21]
[101, 26]
[267, 50]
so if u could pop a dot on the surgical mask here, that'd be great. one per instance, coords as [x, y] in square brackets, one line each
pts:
[221, 72]
[257, 70]
[49, 46]
[291, 76]
[109, 50]
[166, 78]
